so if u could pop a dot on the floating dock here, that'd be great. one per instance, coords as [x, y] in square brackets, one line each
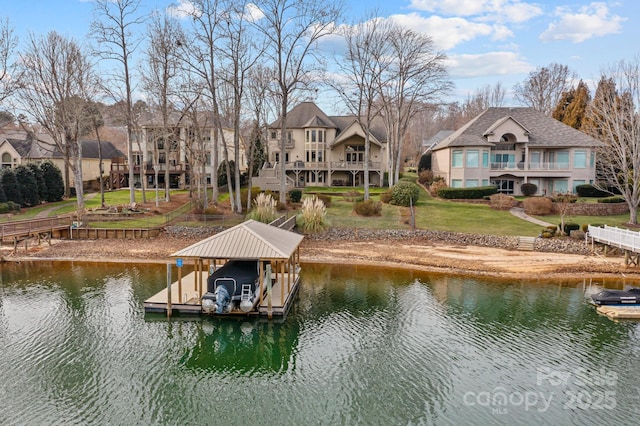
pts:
[274, 250]
[619, 311]
[186, 298]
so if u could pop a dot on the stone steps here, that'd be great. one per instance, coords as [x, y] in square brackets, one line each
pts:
[526, 243]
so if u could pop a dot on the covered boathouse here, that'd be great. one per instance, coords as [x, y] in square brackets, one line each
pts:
[274, 250]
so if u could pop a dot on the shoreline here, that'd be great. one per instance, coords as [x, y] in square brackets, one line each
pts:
[419, 255]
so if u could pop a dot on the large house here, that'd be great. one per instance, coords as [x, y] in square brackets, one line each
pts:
[176, 148]
[323, 150]
[508, 147]
[22, 147]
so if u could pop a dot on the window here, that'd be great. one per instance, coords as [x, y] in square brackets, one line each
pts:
[505, 186]
[580, 160]
[472, 158]
[471, 183]
[6, 160]
[274, 134]
[560, 186]
[535, 162]
[485, 182]
[456, 159]
[562, 160]
[485, 159]
[456, 183]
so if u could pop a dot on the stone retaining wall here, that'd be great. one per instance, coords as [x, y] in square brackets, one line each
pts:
[594, 209]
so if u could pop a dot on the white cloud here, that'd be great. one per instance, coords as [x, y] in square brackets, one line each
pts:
[487, 64]
[447, 32]
[253, 13]
[182, 9]
[513, 11]
[590, 21]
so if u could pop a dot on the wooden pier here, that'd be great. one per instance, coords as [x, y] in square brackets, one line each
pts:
[619, 311]
[618, 239]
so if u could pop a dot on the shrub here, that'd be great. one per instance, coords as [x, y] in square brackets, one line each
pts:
[264, 209]
[615, 199]
[9, 207]
[52, 175]
[436, 186]
[255, 190]
[425, 162]
[368, 208]
[295, 195]
[212, 210]
[564, 198]
[568, 227]
[425, 177]
[313, 216]
[589, 190]
[528, 189]
[538, 206]
[404, 194]
[501, 201]
[385, 197]
[326, 199]
[467, 193]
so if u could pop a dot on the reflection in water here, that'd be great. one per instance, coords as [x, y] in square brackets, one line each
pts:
[361, 345]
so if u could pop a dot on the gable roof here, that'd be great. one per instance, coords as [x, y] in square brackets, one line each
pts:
[248, 240]
[304, 113]
[27, 145]
[543, 131]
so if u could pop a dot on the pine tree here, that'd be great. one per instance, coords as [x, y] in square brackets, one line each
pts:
[53, 178]
[10, 186]
[27, 185]
[572, 106]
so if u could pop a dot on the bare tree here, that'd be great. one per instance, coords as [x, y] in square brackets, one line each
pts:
[114, 30]
[366, 59]
[57, 81]
[292, 29]
[417, 78]
[613, 119]
[8, 45]
[161, 71]
[544, 87]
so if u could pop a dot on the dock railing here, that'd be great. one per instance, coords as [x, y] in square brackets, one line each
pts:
[616, 237]
[23, 228]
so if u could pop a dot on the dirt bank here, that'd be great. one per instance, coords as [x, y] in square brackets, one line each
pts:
[423, 255]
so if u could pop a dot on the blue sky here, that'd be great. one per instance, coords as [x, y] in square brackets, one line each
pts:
[486, 41]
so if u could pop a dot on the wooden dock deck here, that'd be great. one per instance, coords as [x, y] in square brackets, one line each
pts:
[185, 297]
[620, 311]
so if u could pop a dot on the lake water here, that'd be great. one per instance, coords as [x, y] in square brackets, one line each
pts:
[361, 346]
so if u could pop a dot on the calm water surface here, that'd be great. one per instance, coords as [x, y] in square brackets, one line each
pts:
[362, 346]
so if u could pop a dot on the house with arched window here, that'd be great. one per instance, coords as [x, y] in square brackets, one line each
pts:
[324, 150]
[508, 147]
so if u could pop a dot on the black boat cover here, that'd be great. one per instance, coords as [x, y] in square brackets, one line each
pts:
[617, 297]
[242, 271]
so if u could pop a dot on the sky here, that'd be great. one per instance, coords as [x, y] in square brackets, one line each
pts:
[486, 41]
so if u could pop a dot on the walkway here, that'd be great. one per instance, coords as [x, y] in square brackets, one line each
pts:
[519, 212]
[47, 212]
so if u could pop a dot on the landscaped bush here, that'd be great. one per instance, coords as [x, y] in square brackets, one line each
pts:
[385, 197]
[528, 189]
[264, 209]
[313, 216]
[425, 177]
[9, 207]
[368, 208]
[564, 198]
[467, 193]
[405, 194]
[501, 201]
[255, 190]
[295, 195]
[437, 185]
[538, 206]
[589, 190]
[568, 227]
[585, 226]
[615, 199]
[212, 210]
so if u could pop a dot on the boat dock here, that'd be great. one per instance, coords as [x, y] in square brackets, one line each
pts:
[619, 311]
[274, 253]
[186, 297]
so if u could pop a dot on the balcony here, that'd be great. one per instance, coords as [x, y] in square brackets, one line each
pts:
[519, 166]
[333, 165]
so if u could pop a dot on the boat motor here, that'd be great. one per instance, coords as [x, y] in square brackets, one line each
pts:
[223, 298]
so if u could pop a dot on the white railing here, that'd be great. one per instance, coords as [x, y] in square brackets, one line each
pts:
[617, 237]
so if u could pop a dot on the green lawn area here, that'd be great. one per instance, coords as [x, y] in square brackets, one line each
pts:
[430, 214]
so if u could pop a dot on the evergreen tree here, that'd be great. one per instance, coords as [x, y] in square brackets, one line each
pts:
[566, 99]
[3, 198]
[42, 185]
[27, 185]
[10, 186]
[572, 106]
[53, 179]
[606, 94]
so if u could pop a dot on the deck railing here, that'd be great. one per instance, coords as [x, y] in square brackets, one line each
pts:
[617, 237]
[32, 226]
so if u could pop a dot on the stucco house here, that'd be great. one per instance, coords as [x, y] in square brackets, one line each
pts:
[507, 147]
[176, 148]
[21, 147]
[323, 150]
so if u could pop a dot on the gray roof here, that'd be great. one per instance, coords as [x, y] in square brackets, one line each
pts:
[248, 240]
[544, 131]
[307, 114]
[27, 145]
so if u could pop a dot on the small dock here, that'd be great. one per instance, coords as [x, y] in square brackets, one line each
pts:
[186, 297]
[619, 311]
[275, 252]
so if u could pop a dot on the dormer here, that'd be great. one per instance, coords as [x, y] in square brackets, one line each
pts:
[507, 130]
